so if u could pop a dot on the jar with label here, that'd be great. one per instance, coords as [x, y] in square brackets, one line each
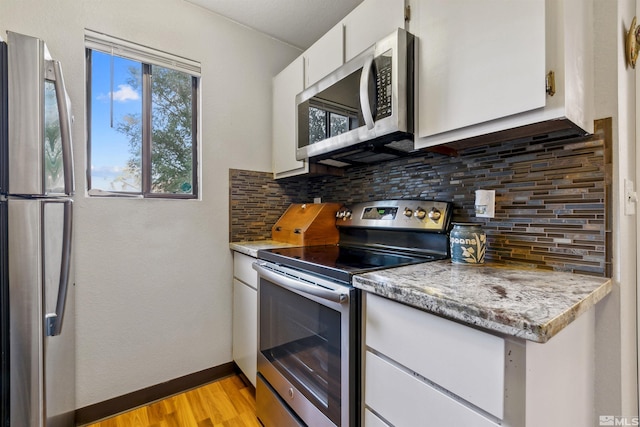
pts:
[468, 243]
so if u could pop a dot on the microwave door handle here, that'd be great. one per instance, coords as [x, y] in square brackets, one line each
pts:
[64, 111]
[365, 105]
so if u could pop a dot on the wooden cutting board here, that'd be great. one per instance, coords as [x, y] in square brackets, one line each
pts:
[308, 224]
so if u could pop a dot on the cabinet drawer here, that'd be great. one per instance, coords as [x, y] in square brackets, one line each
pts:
[465, 361]
[243, 270]
[371, 420]
[404, 400]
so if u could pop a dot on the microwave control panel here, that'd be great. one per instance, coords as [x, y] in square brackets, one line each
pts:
[383, 86]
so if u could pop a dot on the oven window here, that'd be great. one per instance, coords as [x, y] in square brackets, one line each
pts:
[301, 339]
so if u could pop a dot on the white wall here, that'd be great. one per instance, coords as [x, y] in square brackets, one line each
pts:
[154, 276]
[625, 249]
[616, 351]
[607, 311]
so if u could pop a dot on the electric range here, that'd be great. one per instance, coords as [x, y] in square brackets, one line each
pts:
[309, 313]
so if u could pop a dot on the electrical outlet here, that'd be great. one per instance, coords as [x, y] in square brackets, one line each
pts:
[485, 203]
[630, 198]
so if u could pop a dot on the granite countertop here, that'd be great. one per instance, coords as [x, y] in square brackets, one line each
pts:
[526, 303]
[252, 248]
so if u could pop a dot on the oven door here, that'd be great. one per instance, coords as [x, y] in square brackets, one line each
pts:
[307, 346]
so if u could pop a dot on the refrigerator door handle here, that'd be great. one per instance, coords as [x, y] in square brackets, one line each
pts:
[53, 321]
[64, 111]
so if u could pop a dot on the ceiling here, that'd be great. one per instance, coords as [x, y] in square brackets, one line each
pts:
[296, 22]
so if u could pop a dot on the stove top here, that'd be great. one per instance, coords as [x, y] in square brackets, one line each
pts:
[341, 262]
[373, 236]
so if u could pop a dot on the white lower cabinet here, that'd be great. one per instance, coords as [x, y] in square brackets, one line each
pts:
[466, 361]
[245, 315]
[423, 370]
[403, 398]
[371, 420]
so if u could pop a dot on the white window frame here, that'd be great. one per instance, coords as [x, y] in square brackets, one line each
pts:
[145, 55]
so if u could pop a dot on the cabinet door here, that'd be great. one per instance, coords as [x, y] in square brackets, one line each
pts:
[324, 56]
[478, 61]
[286, 86]
[371, 21]
[245, 328]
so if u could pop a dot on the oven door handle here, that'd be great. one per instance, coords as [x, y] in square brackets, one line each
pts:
[292, 284]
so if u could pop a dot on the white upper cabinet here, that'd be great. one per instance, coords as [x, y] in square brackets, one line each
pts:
[324, 56]
[482, 66]
[570, 44]
[286, 86]
[371, 21]
[478, 61]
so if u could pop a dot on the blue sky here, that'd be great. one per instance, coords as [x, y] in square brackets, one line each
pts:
[109, 148]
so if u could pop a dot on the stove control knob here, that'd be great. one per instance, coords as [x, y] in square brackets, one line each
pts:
[344, 214]
[434, 214]
[408, 212]
[420, 213]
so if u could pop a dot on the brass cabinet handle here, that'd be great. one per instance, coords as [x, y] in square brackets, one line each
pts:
[632, 44]
[551, 83]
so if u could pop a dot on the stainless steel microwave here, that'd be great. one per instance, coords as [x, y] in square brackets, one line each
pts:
[363, 111]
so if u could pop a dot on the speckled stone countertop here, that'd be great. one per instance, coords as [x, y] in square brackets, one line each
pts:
[252, 248]
[526, 303]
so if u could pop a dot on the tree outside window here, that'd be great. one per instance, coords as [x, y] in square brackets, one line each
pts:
[142, 128]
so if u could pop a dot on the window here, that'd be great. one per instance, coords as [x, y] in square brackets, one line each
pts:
[142, 120]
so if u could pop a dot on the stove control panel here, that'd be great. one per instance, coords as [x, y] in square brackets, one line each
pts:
[424, 215]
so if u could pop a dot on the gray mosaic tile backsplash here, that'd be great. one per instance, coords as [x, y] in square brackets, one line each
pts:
[552, 197]
[257, 201]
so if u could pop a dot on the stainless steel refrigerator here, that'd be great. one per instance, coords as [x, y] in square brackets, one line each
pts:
[37, 334]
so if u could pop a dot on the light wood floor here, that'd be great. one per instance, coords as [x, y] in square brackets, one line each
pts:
[224, 403]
